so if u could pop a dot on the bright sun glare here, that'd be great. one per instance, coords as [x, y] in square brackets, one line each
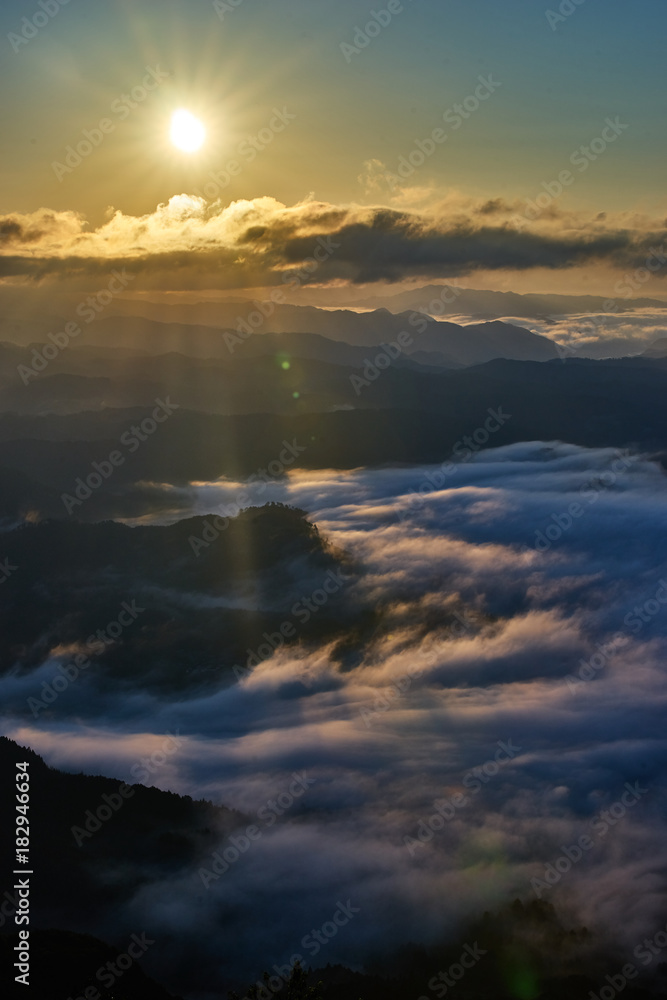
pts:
[187, 132]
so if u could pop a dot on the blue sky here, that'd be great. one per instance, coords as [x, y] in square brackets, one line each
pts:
[558, 86]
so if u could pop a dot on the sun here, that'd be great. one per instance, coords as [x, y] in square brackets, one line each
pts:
[187, 132]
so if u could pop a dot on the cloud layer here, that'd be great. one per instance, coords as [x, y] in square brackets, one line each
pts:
[501, 618]
[191, 243]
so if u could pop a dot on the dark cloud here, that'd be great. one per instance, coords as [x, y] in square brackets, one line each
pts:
[188, 243]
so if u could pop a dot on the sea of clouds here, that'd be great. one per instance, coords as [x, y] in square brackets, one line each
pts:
[504, 618]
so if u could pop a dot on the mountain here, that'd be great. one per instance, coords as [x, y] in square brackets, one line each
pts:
[115, 349]
[394, 415]
[479, 343]
[191, 597]
[468, 345]
[64, 965]
[94, 866]
[129, 362]
[21, 498]
[274, 373]
[489, 304]
[91, 868]
[658, 349]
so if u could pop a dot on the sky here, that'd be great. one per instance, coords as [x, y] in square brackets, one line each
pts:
[341, 111]
[361, 145]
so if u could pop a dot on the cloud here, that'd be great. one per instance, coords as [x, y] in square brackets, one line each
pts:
[600, 335]
[188, 242]
[477, 633]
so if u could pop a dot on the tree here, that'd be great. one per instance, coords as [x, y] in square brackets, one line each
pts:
[295, 988]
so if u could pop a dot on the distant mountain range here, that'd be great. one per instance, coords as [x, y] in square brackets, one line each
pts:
[456, 345]
[402, 415]
[128, 362]
[120, 347]
[289, 374]
[489, 304]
